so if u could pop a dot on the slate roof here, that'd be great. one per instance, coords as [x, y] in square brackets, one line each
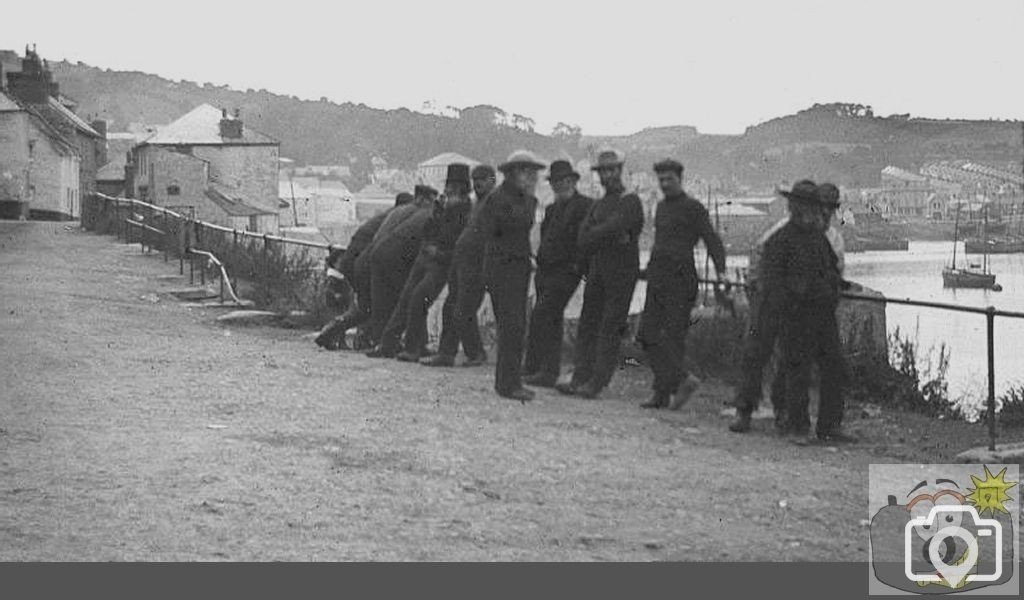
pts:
[232, 203]
[201, 126]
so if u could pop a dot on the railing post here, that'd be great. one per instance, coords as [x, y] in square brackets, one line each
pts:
[990, 318]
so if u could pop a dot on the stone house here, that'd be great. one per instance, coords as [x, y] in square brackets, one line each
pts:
[211, 161]
[49, 157]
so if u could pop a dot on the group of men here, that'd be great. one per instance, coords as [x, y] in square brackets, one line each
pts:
[398, 263]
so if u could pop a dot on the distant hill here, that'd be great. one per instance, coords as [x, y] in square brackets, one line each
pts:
[311, 132]
[839, 142]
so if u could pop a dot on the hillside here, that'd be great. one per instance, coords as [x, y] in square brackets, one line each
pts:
[844, 143]
[311, 132]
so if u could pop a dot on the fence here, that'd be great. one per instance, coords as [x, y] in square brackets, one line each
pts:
[187, 238]
[278, 267]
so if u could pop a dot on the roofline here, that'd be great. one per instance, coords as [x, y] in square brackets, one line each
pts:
[168, 144]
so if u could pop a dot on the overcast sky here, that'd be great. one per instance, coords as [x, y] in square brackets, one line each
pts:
[720, 65]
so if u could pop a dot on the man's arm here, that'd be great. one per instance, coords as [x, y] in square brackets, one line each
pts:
[712, 241]
[627, 219]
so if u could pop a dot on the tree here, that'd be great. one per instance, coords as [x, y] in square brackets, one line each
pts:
[523, 123]
[568, 134]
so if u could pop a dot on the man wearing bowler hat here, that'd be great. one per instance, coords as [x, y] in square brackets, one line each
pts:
[430, 271]
[505, 222]
[679, 223]
[392, 254]
[609, 241]
[801, 280]
[465, 286]
[559, 270]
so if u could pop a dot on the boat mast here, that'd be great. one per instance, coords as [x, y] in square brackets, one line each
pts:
[984, 242]
[956, 231]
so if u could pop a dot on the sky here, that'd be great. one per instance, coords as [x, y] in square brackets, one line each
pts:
[610, 68]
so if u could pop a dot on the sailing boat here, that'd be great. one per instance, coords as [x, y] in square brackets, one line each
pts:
[954, 277]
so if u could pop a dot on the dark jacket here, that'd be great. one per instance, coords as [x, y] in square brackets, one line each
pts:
[505, 221]
[610, 234]
[444, 228]
[401, 245]
[360, 241]
[679, 222]
[471, 242]
[799, 269]
[559, 231]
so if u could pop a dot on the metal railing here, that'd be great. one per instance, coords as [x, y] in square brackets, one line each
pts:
[990, 313]
[125, 223]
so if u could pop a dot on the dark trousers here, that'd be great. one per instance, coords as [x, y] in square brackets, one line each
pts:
[387, 281]
[663, 328]
[809, 337]
[391, 336]
[555, 286]
[606, 300]
[508, 281]
[358, 310]
[423, 287]
[459, 321]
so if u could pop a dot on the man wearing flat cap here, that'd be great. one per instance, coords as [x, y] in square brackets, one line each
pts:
[466, 290]
[609, 240]
[392, 254]
[357, 272]
[505, 222]
[680, 222]
[800, 277]
[429, 273]
[559, 269]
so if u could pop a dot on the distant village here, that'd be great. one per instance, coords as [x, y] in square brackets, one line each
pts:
[210, 164]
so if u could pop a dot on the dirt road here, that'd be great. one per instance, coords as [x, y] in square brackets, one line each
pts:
[135, 428]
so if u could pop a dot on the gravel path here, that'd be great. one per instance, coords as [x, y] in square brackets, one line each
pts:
[135, 428]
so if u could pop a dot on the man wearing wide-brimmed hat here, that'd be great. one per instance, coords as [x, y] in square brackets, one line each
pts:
[392, 254]
[559, 270]
[679, 223]
[466, 290]
[800, 281]
[505, 222]
[429, 273]
[609, 239]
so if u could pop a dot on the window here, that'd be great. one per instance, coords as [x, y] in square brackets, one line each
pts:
[173, 190]
[31, 148]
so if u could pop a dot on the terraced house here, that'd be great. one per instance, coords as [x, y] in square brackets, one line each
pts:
[49, 156]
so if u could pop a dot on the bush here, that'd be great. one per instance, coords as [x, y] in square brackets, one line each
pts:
[1011, 407]
[902, 384]
[283, 277]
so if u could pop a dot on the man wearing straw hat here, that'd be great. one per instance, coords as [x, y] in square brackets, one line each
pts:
[679, 223]
[609, 240]
[505, 222]
[559, 270]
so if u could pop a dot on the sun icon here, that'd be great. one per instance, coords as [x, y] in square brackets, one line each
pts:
[990, 494]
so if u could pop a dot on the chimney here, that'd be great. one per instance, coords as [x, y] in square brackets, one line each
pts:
[33, 84]
[100, 126]
[230, 127]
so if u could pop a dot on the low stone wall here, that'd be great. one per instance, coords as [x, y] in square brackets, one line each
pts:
[862, 325]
